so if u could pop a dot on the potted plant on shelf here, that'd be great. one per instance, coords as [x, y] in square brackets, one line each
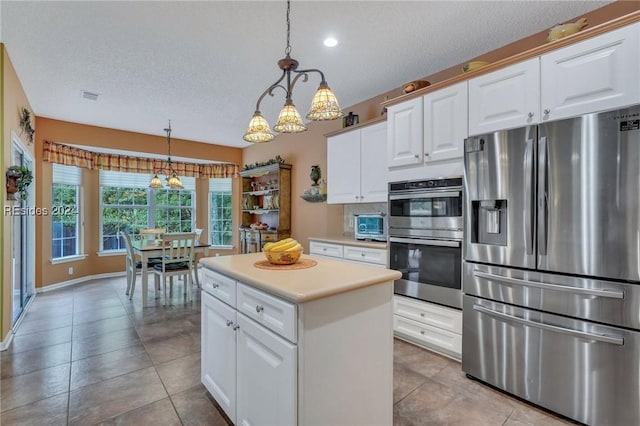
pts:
[18, 180]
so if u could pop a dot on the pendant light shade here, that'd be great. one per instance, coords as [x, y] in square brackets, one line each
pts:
[289, 120]
[155, 182]
[173, 181]
[324, 105]
[258, 130]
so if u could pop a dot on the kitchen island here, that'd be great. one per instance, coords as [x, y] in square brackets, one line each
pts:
[309, 346]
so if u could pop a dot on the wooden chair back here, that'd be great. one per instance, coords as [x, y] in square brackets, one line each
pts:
[177, 247]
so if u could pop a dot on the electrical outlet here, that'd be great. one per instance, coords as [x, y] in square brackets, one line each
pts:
[70, 270]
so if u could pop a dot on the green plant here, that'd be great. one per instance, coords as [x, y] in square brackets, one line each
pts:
[25, 123]
[24, 178]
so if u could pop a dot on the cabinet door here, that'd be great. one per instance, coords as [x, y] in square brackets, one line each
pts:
[445, 123]
[594, 75]
[506, 98]
[343, 168]
[404, 133]
[218, 360]
[267, 377]
[373, 163]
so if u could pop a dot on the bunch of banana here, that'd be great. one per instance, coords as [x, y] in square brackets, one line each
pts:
[288, 244]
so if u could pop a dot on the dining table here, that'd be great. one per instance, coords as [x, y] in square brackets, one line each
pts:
[146, 250]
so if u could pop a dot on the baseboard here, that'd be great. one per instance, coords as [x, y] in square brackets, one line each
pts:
[79, 280]
[4, 345]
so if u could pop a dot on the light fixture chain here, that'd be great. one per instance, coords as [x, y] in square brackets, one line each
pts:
[287, 51]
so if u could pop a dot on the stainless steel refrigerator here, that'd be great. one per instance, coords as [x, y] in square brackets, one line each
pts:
[551, 272]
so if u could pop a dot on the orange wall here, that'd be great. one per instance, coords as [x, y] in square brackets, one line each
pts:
[13, 99]
[73, 133]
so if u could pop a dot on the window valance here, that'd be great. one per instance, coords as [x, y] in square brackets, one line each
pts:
[71, 156]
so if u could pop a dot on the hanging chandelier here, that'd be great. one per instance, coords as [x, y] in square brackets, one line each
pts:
[173, 181]
[324, 105]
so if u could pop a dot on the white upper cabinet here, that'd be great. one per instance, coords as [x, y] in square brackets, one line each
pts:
[404, 133]
[445, 123]
[507, 98]
[357, 166]
[596, 74]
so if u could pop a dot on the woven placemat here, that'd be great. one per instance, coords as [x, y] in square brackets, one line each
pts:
[300, 264]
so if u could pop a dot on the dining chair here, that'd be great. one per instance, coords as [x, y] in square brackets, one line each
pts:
[150, 235]
[132, 266]
[177, 260]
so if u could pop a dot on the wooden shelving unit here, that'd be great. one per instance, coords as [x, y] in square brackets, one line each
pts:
[266, 198]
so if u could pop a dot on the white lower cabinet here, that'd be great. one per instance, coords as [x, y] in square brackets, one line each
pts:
[267, 361]
[218, 369]
[266, 376]
[249, 370]
[364, 255]
[433, 326]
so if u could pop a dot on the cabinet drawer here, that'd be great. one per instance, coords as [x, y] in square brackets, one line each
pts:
[432, 337]
[368, 255]
[326, 249]
[428, 313]
[272, 312]
[223, 288]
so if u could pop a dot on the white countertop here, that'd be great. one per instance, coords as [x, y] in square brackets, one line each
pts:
[327, 278]
[350, 241]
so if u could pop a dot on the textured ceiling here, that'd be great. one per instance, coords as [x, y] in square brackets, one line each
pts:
[203, 64]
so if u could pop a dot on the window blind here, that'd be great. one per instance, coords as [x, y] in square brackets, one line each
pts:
[69, 175]
[220, 185]
[138, 180]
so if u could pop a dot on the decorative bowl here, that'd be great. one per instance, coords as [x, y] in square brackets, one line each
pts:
[414, 85]
[473, 65]
[283, 257]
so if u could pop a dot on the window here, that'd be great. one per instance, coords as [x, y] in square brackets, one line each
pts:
[220, 233]
[128, 204]
[65, 218]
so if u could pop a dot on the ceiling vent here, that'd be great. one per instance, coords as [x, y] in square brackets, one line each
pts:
[89, 95]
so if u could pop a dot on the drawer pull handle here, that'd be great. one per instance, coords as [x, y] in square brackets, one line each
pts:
[259, 308]
[235, 327]
[215, 285]
[229, 323]
[422, 332]
[422, 314]
[362, 254]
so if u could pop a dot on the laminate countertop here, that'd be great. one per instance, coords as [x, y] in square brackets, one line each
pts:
[327, 278]
[350, 241]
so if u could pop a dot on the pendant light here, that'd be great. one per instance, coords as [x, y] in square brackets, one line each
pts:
[324, 105]
[173, 181]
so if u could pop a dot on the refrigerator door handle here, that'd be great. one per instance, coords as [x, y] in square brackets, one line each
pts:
[615, 340]
[542, 196]
[612, 294]
[529, 228]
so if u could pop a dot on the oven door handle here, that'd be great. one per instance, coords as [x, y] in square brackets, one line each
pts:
[416, 195]
[423, 242]
[615, 340]
[612, 294]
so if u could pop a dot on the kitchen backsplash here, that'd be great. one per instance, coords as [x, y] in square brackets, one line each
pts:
[352, 209]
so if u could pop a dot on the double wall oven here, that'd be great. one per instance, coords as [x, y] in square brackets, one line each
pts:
[425, 239]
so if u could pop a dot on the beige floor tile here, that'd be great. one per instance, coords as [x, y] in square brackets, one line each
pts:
[98, 314]
[36, 359]
[195, 407]
[103, 343]
[100, 327]
[405, 381]
[106, 366]
[102, 401]
[27, 388]
[50, 412]
[40, 325]
[157, 413]
[528, 415]
[180, 374]
[27, 342]
[163, 350]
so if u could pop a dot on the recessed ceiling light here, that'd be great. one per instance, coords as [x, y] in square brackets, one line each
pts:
[330, 42]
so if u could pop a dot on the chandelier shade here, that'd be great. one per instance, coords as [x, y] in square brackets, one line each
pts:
[324, 105]
[173, 181]
[258, 130]
[289, 120]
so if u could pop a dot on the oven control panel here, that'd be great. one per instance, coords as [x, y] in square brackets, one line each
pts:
[425, 184]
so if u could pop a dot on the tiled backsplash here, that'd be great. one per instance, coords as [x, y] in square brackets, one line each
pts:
[352, 209]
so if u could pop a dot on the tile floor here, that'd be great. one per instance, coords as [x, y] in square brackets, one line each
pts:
[87, 355]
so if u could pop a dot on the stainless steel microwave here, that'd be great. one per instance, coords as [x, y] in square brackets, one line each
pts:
[370, 227]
